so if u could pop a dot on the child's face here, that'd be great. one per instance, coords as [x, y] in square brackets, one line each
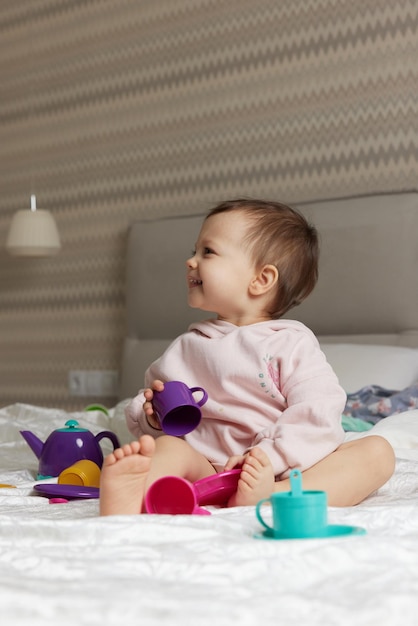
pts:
[221, 269]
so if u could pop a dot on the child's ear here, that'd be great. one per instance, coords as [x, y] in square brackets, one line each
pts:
[266, 278]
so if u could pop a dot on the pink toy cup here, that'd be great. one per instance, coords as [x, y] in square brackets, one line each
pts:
[172, 495]
[176, 409]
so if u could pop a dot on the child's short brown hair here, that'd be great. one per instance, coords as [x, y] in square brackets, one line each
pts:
[280, 236]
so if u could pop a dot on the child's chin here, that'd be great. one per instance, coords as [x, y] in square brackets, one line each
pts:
[193, 302]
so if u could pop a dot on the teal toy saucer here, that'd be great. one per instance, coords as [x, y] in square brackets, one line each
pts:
[333, 530]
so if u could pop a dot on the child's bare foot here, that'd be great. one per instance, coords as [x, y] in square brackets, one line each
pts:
[123, 476]
[256, 480]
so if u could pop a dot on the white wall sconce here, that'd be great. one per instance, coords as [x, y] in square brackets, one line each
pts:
[33, 233]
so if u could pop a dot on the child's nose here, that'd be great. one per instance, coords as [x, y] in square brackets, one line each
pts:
[191, 262]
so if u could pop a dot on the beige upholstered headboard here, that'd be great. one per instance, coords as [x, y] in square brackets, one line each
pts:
[367, 290]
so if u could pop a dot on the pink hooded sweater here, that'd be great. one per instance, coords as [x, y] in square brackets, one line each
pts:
[269, 385]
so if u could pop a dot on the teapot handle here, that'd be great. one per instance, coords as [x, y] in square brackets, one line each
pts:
[107, 433]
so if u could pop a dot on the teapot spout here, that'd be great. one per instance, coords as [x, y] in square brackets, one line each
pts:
[33, 442]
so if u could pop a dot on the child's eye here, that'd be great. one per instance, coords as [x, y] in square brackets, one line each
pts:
[204, 251]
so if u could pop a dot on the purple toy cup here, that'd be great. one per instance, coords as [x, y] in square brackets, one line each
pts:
[176, 408]
[172, 495]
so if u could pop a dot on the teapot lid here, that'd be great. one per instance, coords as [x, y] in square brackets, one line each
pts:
[72, 427]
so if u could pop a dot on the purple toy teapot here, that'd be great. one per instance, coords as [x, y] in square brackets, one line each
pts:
[66, 446]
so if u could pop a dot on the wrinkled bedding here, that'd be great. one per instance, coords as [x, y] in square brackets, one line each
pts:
[62, 564]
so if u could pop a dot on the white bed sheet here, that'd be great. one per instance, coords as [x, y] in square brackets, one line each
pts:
[62, 564]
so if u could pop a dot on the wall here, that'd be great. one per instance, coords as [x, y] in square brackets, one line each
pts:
[116, 111]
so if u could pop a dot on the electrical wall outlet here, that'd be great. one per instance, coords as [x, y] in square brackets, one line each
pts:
[99, 383]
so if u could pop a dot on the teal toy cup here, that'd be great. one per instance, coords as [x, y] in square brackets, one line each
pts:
[297, 514]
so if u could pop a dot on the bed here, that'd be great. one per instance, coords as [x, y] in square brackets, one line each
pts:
[61, 563]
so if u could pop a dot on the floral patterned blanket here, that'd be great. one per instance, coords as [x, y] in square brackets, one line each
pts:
[373, 403]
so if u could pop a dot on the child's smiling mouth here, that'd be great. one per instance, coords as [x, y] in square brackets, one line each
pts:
[194, 282]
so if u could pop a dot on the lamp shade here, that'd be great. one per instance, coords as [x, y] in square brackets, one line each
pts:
[33, 233]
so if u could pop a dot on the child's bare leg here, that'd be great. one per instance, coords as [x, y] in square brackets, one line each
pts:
[175, 457]
[256, 480]
[123, 477]
[351, 473]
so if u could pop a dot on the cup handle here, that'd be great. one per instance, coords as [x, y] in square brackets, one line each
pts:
[203, 398]
[107, 434]
[258, 514]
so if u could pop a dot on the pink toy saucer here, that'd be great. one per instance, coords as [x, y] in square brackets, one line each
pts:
[217, 489]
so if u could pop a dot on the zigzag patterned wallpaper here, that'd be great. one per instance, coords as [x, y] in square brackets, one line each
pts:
[113, 111]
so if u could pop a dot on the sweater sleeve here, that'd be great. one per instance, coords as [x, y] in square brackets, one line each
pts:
[309, 428]
[136, 420]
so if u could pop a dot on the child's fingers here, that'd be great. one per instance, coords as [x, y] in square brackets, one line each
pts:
[233, 462]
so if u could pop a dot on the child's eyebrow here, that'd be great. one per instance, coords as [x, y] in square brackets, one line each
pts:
[207, 241]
